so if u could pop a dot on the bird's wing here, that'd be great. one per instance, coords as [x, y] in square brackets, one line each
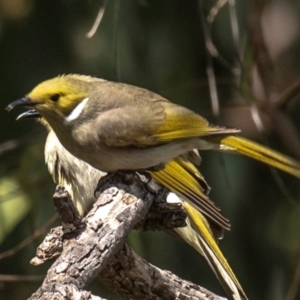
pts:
[182, 123]
[129, 125]
[184, 179]
[149, 123]
[150, 120]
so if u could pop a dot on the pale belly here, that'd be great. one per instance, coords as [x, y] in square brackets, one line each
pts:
[111, 159]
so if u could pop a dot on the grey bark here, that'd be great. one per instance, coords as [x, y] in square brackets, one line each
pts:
[95, 247]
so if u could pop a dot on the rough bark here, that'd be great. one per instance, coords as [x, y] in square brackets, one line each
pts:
[94, 246]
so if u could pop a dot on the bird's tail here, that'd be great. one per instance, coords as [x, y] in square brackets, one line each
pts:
[199, 236]
[181, 177]
[260, 153]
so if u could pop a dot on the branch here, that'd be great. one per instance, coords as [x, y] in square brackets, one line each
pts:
[284, 128]
[95, 245]
[134, 278]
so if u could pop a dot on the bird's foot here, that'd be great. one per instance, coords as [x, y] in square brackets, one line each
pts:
[125, 176]
[102, 181]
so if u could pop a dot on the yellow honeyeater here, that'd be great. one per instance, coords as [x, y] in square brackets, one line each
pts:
[113, 126]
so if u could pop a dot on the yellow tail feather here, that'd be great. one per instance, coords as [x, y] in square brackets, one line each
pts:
[185, 180]
[261, 153]
[206, 245]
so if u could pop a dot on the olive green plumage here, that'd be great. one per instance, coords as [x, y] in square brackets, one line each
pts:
[80, 180]
[112, 126]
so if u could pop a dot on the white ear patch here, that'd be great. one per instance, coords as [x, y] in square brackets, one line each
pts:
[75, 113]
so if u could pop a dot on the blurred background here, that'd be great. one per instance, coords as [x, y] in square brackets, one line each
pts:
[236, 64]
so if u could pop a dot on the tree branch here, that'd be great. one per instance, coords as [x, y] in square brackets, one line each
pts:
[134, 278]
[284, 128]
[95, 245]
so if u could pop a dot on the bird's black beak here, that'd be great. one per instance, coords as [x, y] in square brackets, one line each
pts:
[30, 114]
[24, 102]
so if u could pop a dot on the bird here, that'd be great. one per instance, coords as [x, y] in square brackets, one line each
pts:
[80, 179]
[117, 127]
[114, 126]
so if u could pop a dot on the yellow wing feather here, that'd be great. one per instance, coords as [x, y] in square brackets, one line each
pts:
[178, 180]
[182, 123]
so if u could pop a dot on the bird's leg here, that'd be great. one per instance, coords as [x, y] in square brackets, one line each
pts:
[126, 176]
[161, 192]
[162, 215]
[157, 168]
[102, 181]
[151, 185]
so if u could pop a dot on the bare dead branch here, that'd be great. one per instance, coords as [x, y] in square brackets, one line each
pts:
[134, 278]
[97, 21]
[283, 126]
[288, 94]
[94, 249]
[260, 51]
[211, 51]
[215, 10]
[106, 228]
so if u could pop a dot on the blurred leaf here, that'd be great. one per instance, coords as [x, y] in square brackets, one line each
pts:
[14, 205]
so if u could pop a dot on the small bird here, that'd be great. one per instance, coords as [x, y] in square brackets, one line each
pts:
[115, 127]
[80, 180]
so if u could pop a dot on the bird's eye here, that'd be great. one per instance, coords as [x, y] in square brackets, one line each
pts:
[55, 97]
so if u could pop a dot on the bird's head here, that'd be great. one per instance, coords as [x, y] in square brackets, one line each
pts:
[57, 97]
